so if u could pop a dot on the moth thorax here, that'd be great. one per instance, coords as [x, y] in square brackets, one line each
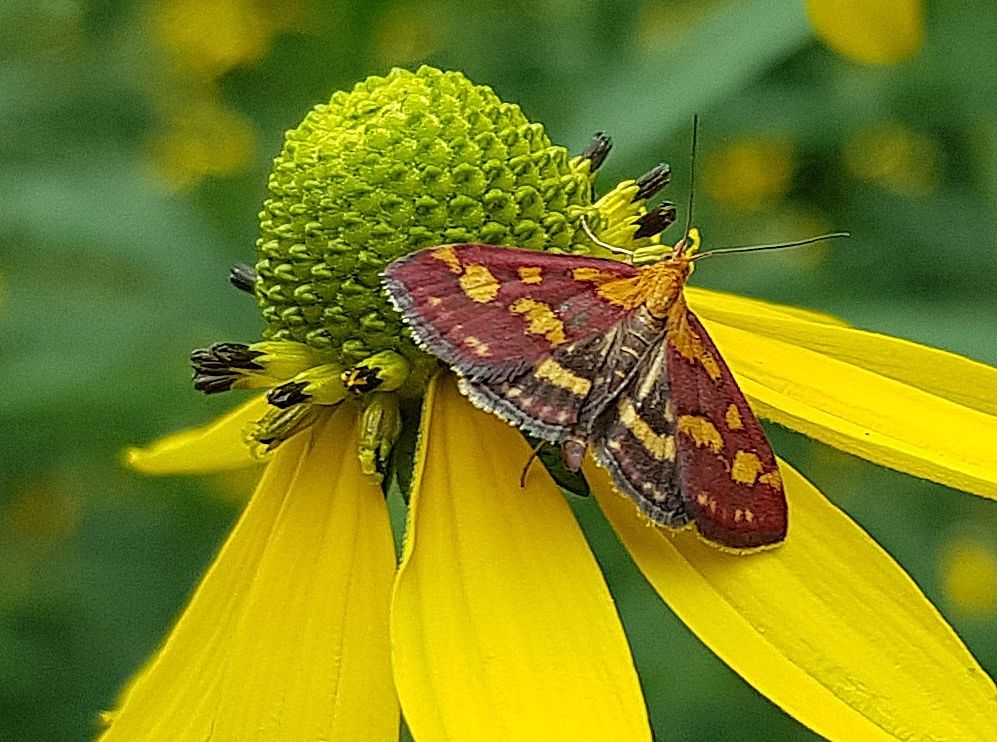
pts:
[664, 284]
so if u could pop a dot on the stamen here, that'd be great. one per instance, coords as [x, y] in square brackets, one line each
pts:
[384, 371]
[243, 277]
[217, 368]
[361, 380]
[278, 425]
[288, 395]
[653, 181]
[319, 385]
[656, 221]
[597, 150]
[226, 366]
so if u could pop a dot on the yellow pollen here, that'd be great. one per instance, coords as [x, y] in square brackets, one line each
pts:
[542, 320]
[661, 447]
[746, 468]
[448, 256]
[552, 371]
[479, 284]
[530, 274]
[772, 479]
[734, 418]
[702, 431]
[435, 301]
[477, 345]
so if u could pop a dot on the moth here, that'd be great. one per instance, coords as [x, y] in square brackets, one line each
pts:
[592, 353]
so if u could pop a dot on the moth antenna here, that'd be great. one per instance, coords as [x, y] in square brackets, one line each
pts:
[600, 243]
[529, 463]
[680, 247]
[773, 246]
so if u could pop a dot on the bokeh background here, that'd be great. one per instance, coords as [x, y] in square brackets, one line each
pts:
[135, 141]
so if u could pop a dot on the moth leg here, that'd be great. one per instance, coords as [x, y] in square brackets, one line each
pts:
[529, 462]
[573, 451]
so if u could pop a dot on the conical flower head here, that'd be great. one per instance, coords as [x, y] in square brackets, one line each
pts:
[401, 162]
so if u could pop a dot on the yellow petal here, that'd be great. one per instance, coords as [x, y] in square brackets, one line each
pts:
[939, 372]
[217, 446]
[502, 627]
[906, 406]
[706, 303]
[877, 32]
[827, 626]
[287, 636]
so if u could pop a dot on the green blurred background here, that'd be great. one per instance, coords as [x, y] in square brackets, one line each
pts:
[135, 141]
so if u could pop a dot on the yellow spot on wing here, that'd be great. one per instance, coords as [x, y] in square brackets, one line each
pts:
[702, 431]
[709, 363]
[661, 447]
[542, 320]
[594, 275]
[734, 418]
[435, 301]
[479, 347]
[687, 342]
[746, 468]
[772, 479]
[745, 515]
[530, 274]
[479, 284]
[552, 371]
[448, 256]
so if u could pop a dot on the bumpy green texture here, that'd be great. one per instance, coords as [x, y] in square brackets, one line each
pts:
[400, 163]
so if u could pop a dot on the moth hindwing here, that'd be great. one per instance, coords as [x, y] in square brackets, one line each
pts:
[592, 353]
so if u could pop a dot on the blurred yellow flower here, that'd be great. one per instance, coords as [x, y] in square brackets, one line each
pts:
[213, 38]
[750, 173]
[893, 156]
[969, 575]
[869, 31]
[198, 135]
[204, 138]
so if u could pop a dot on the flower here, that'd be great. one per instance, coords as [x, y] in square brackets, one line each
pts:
[497, 624]
[878, 33]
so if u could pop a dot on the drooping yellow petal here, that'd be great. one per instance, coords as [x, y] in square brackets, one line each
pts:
[827, 626]
[906, 406]
[502, 627]
[287, 636]
[931, 370]
[217, 446]
[878, 32]
[706, 303]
